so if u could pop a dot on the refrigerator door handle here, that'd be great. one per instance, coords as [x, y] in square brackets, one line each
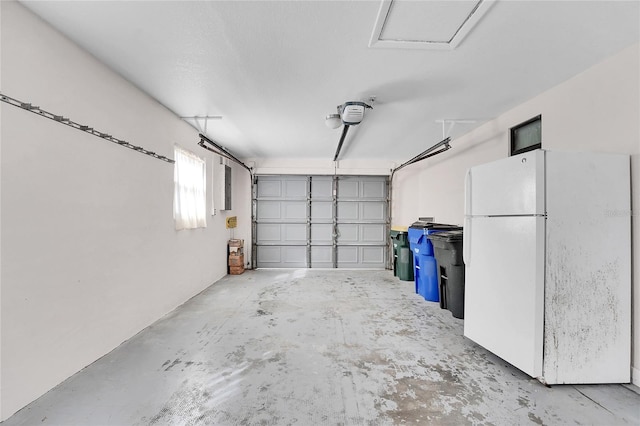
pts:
[466, 234]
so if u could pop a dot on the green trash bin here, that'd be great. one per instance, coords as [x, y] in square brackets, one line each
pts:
[394, 234]
[402, 255]
[405, 258]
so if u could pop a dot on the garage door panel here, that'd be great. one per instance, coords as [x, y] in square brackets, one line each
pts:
[321, 187]
[373, 211]
[269, 256]
[321, 257]
[282, 211]
[271, 233]
[354, 233]
[348, 210]
[295, 188]
[361, 257]
[268, 232]
[270, 188]
[373, 234]
[295, 221]
[374, 190]
[348, 233]
[295, 210]
[371, 256]
[348, 188]
[281, 257]
[321, 233]
[295, 255]
[269, 210]
[295, 233]
[321, 210]
[362, 211]
[347, 255]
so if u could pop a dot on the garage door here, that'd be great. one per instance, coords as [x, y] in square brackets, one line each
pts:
[321, 221]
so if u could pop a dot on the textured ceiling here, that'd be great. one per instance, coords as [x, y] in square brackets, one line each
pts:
[275, 69]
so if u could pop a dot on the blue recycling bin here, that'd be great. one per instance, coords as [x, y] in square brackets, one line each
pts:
[425, 270]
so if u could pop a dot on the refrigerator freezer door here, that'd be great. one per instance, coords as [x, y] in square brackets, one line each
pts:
[504, 288]
[510, 186]
[588, 270]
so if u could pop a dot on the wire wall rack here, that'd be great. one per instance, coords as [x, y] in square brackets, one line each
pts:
[66, 121]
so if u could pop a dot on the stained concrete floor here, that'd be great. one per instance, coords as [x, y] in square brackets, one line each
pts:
[279, 347]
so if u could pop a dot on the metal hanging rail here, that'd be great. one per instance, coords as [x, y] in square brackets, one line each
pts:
[217, 149]
[63, 120]
[345, 129]
[204, 118]
[429, 152]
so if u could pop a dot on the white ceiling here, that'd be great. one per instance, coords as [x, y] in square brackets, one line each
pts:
[275, 69]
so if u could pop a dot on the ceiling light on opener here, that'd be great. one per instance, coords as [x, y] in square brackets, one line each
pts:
[333, 121]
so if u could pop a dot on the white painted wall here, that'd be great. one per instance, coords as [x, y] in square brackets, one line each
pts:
[1, 326]
[635, 269]
[89, 252]
[597, 110]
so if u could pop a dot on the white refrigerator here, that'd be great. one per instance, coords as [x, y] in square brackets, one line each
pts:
[547, 252]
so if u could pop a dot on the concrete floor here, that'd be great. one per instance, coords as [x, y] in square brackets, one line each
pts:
[276, 347]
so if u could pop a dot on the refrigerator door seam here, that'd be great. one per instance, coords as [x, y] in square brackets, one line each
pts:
[466, 235]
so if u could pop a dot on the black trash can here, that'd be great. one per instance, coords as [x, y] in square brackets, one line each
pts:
[447, 247]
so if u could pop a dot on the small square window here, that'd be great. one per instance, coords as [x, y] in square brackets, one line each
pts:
[526, 136]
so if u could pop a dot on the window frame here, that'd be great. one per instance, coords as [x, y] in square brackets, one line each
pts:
[513, 134]
[197, 184]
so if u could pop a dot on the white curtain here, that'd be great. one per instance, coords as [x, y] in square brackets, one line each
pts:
[190, 199]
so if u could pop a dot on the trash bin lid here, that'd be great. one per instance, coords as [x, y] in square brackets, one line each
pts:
[448, 236]
[432, 225]
[415, 238]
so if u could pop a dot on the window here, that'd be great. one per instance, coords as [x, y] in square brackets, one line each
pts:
[189, 199]
[526, 136]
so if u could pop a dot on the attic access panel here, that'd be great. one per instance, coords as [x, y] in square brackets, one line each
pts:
[426, 24]
[299, 223]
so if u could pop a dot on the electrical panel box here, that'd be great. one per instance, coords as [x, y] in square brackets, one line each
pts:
[225, 181]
